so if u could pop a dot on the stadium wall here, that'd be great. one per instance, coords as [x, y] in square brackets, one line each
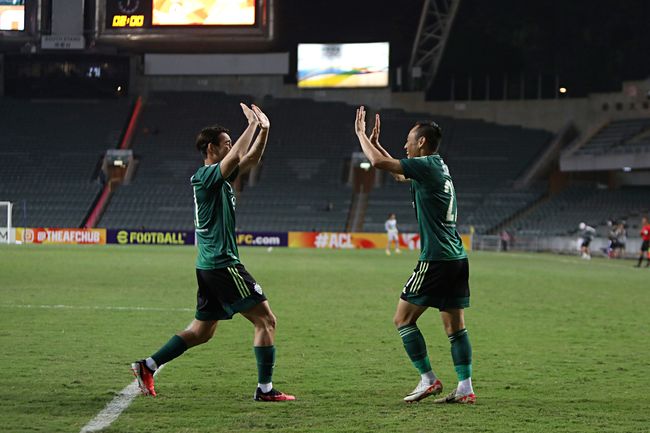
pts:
[216, 64]
[553, 244]
[636, 161]
[265, 85]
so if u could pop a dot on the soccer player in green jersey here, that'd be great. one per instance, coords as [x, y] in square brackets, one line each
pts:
[440, 279]
[224, 286]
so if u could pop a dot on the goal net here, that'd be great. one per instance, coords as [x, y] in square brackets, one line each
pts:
[5, 223]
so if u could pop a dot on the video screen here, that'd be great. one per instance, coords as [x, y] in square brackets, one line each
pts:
[203, 13]
[343, 65]
[12, 15]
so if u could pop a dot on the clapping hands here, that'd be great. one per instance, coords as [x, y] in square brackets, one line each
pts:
[255, 116]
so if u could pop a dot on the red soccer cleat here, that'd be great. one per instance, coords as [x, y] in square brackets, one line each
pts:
[144, 376]
[460, 399]
[272, 395]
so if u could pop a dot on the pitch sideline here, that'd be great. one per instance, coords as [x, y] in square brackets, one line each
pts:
[91, 307]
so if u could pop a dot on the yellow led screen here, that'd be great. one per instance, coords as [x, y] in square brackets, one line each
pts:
[203, 12]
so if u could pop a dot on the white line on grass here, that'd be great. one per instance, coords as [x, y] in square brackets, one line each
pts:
[91, 307]
[115, 407]
[574, 260]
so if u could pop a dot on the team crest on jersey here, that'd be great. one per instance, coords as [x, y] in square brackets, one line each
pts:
[233, 200]
[257, 288]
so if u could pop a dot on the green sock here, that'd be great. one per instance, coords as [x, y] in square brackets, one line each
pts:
[172, 349]
[416, 347]
[265, 356]
[461, 353]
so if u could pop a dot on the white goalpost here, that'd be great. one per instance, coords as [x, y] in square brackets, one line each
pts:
[5, 222]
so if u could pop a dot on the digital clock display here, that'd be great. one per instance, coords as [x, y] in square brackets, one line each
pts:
[128, 13]
[127, 21]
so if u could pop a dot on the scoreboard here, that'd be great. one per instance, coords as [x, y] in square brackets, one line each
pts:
[185, 25]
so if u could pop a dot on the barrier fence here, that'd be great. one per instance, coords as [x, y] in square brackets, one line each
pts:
[331, 240]
[553, 244]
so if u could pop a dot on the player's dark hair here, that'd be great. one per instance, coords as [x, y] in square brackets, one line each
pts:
[209, 135]
[431, 132]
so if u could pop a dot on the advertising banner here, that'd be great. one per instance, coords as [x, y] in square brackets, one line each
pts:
[186, 237]
[150, 237]
[409, 241]
[61, 236]
[334, 240]
[263, 239]
[7, 237]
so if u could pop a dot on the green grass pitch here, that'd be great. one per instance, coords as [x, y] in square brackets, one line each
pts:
[560, 344]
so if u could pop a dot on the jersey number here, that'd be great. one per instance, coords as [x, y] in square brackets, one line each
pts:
[449, 189]
[196, 210]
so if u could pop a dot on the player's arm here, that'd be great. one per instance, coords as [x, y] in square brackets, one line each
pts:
[374, 155]
[232, 159]
[254, 154]
[374, 139]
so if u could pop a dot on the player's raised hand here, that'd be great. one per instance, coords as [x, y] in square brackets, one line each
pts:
[265, 123]
[374, 135]
[360, 122]
[251, 116]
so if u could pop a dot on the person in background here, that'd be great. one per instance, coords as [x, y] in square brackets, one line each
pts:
[392, 232]
[610, 251]
[505, 240]
[645, 238]
[587, 234]
[620, 239]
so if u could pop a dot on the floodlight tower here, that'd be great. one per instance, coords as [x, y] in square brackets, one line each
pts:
[430, 40]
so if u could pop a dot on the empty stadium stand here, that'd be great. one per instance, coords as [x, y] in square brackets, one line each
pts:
[301, 184]
[49, 156]
[620, 136]
[302, 180]
[561, 214]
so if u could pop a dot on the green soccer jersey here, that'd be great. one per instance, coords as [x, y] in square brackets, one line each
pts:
[214, 218]
[434, 200]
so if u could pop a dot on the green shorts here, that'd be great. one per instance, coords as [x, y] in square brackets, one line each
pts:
[224, 292]
[441, 284]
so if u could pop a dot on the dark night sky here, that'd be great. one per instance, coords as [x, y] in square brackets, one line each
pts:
[592, 45]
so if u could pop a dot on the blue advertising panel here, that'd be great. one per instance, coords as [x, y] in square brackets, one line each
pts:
[186, 237]
[150, 237]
